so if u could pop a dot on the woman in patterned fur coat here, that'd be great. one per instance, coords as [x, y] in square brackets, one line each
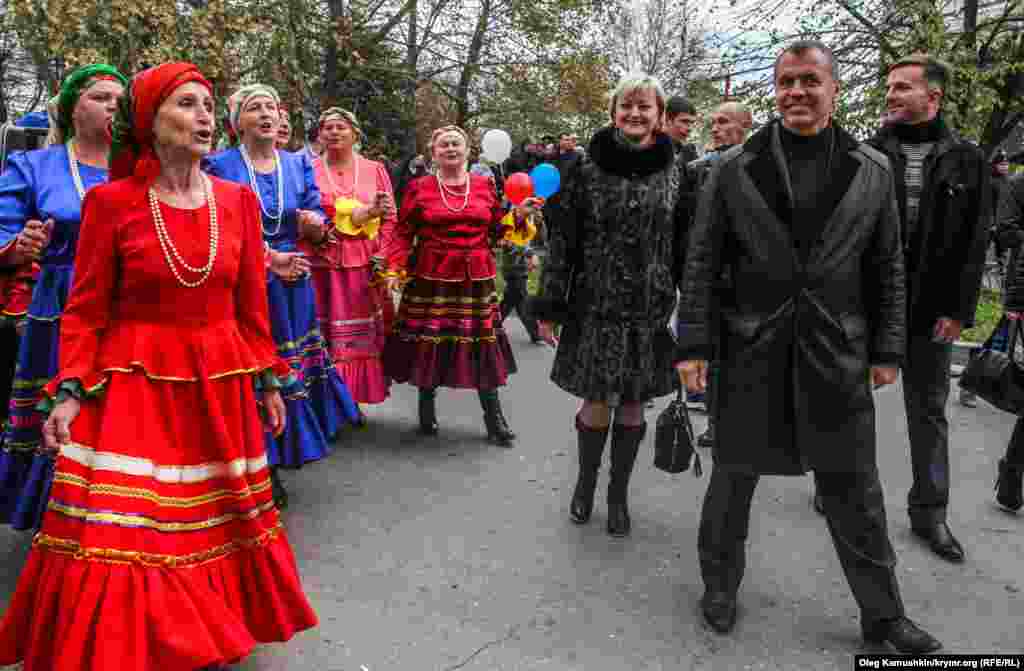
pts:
[616, 248]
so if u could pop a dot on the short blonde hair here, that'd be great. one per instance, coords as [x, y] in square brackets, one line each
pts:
[638, 81]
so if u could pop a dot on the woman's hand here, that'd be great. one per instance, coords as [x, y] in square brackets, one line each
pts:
[273, 404]
[312, 226]
[57, 429]
[289, 266]
[383, 205]
[32, 240]
[546, 331]
[693, 375]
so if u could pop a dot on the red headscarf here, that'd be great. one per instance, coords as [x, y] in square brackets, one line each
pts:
[132, 147]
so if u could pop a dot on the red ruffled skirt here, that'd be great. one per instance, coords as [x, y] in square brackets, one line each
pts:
[448, 334]
[161, 549]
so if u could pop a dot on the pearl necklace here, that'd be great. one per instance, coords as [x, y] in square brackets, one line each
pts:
[76, 176]
[279, 217]
[167, 245]
[444, 199]
[355, 176]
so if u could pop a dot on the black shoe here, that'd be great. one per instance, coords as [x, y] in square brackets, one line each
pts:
[278, 492]
[719, 610]
[590, 446]
[941, 541]
[1010, 487]
[625, 444]
[498, 431]
[706, 440]
[619, 524]
[428, 412]
[902, 634]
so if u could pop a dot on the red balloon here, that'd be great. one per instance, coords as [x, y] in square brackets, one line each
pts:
[518, 187]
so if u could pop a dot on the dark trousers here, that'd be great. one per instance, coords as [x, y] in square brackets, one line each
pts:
[8, 360]
[1015, 450]
[514, 298]
[855, 510]
[925, 391]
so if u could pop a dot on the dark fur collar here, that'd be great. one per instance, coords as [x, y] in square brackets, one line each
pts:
[613, 158]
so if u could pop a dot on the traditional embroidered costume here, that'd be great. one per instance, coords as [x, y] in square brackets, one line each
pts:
[323, 404]
[355, 308]
[43, 184]
[161, 548]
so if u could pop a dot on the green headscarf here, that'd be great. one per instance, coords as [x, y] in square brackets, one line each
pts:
[76, 83]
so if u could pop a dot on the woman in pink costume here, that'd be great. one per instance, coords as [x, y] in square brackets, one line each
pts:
[354, 302]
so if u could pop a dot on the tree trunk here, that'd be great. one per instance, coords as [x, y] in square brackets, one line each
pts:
[336, 9]
[462, 113]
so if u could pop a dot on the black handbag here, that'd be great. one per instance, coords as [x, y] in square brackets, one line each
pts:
[673, 439]
[995, 376]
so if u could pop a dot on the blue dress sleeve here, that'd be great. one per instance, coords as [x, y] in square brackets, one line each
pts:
[311, 192]
[17, 205]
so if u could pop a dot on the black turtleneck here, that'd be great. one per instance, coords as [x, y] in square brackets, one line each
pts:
[809, 160]
[928, 131]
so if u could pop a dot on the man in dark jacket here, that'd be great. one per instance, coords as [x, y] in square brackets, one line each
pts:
[730, 125]
[944, 195]
[804, 219]
[680, 117]
[1010, 229]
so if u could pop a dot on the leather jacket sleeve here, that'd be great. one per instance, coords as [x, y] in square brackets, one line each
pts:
[886, 292]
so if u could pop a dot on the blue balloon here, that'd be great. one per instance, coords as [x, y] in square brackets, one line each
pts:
[546, 180]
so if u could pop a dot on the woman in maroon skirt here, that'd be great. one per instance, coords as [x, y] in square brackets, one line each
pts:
[448, 331]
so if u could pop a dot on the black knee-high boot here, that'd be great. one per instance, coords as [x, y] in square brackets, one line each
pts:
[590, 441]
[497, 427]
[428, 412]
[625, 443]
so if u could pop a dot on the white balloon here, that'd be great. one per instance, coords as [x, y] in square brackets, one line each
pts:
[496, 146]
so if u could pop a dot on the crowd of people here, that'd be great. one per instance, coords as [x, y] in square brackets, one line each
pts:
[190, 322]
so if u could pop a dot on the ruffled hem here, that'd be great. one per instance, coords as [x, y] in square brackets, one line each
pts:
[333, 404]
[25, 480]
[303, 440]
[75, 614]
[365, 379]
[92, 383]
[482, 365]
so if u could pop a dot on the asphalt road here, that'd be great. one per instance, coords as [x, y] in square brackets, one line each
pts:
[437, 554]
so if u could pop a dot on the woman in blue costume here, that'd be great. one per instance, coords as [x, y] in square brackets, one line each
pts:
[40, 210]
[319, 408]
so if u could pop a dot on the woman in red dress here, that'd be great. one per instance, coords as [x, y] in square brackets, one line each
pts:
[161, 548]
[448, 332]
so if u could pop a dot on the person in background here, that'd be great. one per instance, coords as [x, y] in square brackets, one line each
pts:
[680, 117]
[1004, 254]
[353, 292]
[284, 131]
[944, 193]
[517, 262]
[448, 332]
[41, 195]
[731, 123]
[314, 147]
[319, 404]
[1010, 229]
